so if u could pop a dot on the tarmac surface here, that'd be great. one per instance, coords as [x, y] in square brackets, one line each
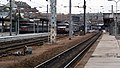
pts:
[106, 54]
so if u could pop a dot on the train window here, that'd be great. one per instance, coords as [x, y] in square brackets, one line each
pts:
[61, 26]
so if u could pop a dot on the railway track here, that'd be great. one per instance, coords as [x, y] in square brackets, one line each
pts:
[5, 47]
[68, 58]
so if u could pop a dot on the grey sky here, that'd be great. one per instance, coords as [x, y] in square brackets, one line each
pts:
[92, 5]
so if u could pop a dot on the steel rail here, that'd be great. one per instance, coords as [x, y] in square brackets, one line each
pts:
[82, 53]
[17, 45]
[64, 59]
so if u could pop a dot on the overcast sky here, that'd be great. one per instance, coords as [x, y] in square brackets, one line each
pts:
[92, 5]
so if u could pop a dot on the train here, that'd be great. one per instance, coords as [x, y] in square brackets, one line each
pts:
[34, 27]
[63, 28]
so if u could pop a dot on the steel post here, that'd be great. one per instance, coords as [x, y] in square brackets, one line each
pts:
[10, 17]
[84, 6]
[53, 21]
[70, 21]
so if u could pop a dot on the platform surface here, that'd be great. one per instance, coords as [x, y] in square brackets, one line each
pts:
[106, 54]
[5, 36]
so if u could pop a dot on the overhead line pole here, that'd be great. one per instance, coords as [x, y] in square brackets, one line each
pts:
[116, 29]
[84, 6]
[53, 21]
[70, 21]
[10, 17]
[48, 25]
[18, 20]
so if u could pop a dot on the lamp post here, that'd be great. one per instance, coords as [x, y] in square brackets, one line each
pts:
[115, 16]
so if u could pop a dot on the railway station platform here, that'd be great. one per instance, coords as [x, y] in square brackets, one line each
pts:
[6, 37]
[106, 54]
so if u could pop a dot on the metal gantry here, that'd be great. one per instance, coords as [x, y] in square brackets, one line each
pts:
[53, 21]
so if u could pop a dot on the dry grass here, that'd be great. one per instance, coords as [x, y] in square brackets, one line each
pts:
[42, 53]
